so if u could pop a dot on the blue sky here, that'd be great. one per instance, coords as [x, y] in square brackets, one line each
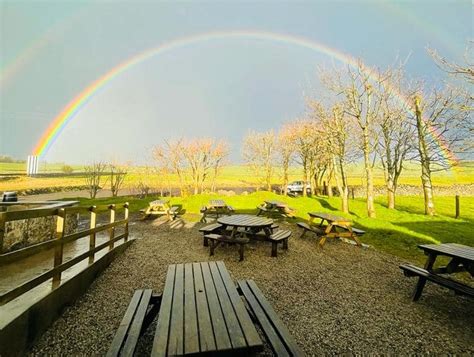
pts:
[51, 51]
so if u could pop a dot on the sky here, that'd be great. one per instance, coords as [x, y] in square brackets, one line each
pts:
[221, 88]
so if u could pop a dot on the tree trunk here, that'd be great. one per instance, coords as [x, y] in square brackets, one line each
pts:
[345, 199]
[341, 184]
[285, 181]
[369, 176]
[390, 193]
[427, 189]
[391, 198]
[425, 161]
[305, 179]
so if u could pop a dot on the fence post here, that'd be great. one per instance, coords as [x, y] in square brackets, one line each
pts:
[112, 229]
[458, 208]
[58, 251]
[93, 234]
[125, 206]
[3, 222]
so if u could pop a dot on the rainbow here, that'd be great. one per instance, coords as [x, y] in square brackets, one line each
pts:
[74, 107]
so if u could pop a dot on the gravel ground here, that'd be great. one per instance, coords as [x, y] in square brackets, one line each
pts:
[341, 300]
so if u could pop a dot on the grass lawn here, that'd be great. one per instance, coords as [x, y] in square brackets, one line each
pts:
[395, 232]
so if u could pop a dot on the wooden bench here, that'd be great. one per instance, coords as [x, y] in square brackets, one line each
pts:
[356, 231]
[280, 236]
[307, 228]
[135, 321]
[262, 209]
[411, 271]
[174, 211]
[216, 239]
[211, 228]
[278, 336]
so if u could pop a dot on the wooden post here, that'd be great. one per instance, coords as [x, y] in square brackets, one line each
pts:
[58, 252]
[458, 208]
[93, 235]
[3, 222]
[125, 206]
[112, 229]
[352, 192]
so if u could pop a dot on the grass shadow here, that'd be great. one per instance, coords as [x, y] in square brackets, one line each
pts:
[442, 231]
[325, 204]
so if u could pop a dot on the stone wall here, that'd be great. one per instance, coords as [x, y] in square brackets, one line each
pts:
[415, 190]
[25, 232]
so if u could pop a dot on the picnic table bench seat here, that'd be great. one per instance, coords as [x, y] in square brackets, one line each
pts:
[277, 237]
[278, 336]
[211, 228]
[174, 211]
[262, 208]
[307, 228]
[411, 271]
[356, 231]
[137, 318]
[216, 239]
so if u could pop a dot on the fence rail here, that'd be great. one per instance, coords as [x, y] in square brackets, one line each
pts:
[60, 240]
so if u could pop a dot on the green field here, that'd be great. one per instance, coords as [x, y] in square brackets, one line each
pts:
[230, 176]
[395, 232]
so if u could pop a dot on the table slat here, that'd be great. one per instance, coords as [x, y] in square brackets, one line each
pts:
[176, 342]
[451, 249]
[191, 334]
[206, 335]
[329, 217]
[233, 328]
[217, 318]
[160, 342]
[251, 335]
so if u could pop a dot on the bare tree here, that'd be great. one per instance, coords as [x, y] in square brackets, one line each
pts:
[363, 90]
[259, 151]
[396, 134]
[117, 176]
[171, 157]
[465, 70]
[198, 155]
[218, 156]
[306, 136]
[286, 151]
[443, 127]
[94, 177]
[338, 132]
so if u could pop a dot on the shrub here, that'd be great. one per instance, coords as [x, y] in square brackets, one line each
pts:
[67, 169]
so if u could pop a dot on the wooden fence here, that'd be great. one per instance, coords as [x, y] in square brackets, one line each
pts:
[60, 240]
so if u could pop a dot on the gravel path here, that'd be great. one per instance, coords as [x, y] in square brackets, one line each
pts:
[340, 300]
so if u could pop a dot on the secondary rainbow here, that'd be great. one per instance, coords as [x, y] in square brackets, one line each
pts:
[72, 109]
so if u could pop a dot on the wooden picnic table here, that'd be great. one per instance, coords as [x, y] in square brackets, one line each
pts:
[333, 224]
[216, 207]
[275, 203]
[461, 259]
[275, 208]
[251, 224]
[201, 312]
[217, 203]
